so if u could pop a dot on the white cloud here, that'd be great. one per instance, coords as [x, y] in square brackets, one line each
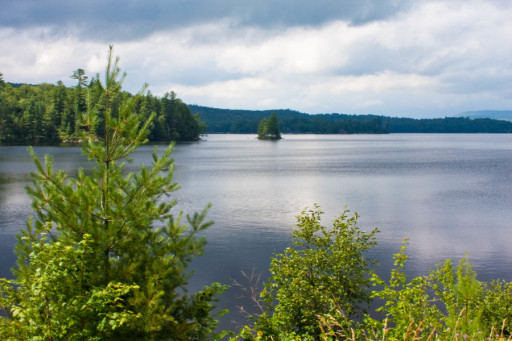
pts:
[438, 58]
[33, 57]
[294, 51]
[376, 83]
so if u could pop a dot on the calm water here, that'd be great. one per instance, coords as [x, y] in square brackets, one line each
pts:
[446, 193]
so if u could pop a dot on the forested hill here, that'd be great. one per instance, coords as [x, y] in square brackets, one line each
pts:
[447, 125]
[290, 121]
[505, 115]
[48, 113]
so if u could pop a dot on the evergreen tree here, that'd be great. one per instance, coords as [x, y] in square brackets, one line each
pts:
[61, 108]
[268, 129]
[5, 108]
[80, 104]
[177, 120]
[106, 258]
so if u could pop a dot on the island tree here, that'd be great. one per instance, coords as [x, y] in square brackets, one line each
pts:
[268, 129]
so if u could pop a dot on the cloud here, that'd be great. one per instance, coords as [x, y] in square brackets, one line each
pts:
[34, 57]
[126, 20]
[424, 58]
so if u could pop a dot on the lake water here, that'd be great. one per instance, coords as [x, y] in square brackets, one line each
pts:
[447, 193]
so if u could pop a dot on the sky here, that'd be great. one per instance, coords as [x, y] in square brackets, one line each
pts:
[407, 58]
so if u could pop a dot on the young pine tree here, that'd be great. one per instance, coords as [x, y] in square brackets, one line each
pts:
[106, 258]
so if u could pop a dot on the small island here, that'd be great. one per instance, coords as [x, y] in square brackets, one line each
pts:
[268, 129]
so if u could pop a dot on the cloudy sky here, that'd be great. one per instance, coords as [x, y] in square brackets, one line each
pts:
[415, 58]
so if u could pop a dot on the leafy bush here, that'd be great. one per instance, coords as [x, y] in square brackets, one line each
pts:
[318, 287]
[325, 272]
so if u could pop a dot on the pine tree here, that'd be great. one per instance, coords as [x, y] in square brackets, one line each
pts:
[106, 258]
[80, 105]
[268, 129]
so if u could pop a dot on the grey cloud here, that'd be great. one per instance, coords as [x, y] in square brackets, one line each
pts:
[421, 57]
[129, 20]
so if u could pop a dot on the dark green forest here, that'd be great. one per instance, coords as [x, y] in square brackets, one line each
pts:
[48, 113]
[294, 122]
[290, 122]
[448, 125]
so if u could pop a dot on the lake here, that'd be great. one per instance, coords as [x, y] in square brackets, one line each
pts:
[447, 193]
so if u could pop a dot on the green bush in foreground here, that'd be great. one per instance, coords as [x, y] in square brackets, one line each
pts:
[316, 288]
[326, 265]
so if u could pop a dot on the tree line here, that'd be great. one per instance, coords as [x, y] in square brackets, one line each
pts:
[448, 125]
[290, 122]
[49, 113]
[294, 122]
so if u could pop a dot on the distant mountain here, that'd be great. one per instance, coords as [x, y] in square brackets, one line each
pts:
[505, 115]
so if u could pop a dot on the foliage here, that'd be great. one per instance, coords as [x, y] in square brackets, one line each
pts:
[496, 306]
[46, 113]
[448, 304]
[290, 121]
[407, 305]
[447, 125]
[460, 292]
[316, 286]
[268, 129]
[53, 300]
[114, 264]
[325, 273]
